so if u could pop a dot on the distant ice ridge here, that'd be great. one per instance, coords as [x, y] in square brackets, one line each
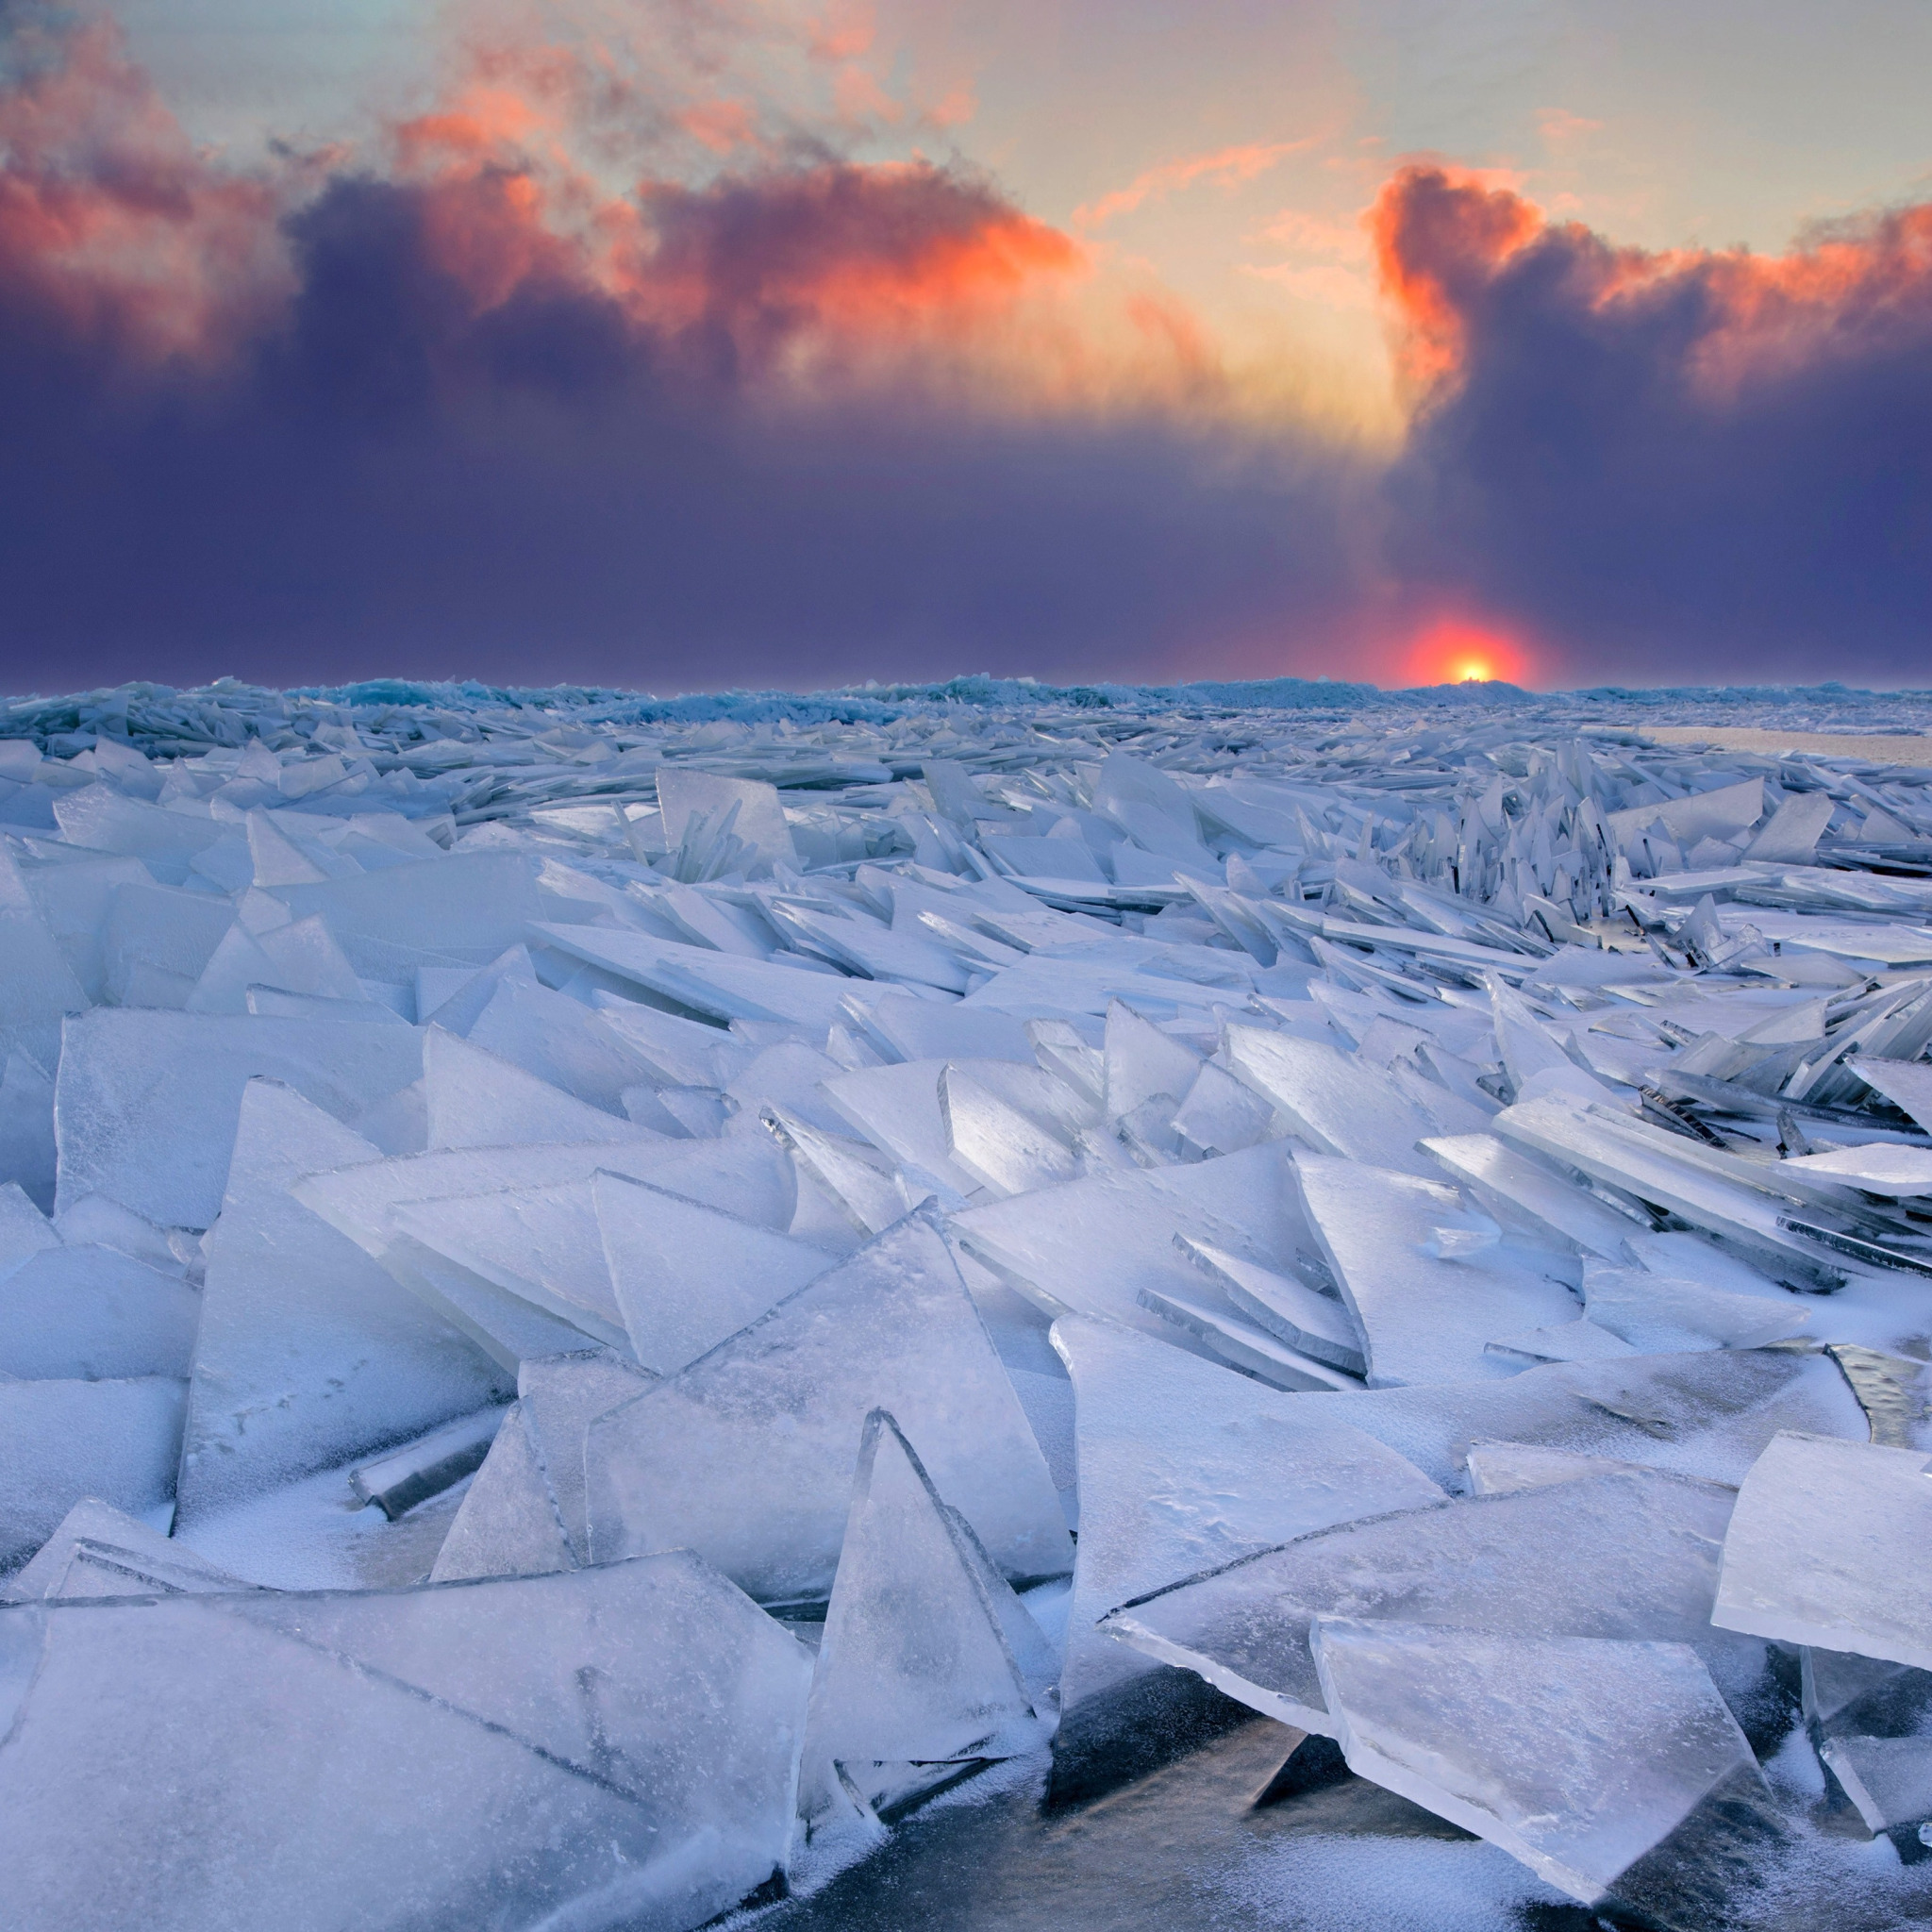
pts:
[601, 1298]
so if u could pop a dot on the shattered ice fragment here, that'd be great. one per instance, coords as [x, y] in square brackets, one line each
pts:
[1423, 1317]
[309, 1351]
[1316, 1323]
[1831, 1545]
[1577, 1755]
[1184, 1465]
[687, 1276]
[411, 1474]
[604, 1746]
[88, 1312]
[747, 1455]
[1888, 1780]
[928, 1659]
[1627, 1556]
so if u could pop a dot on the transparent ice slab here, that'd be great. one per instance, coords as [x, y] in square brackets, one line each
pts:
[746, 1456]
[1335, 1103]
[87, 1313]
[1316, 1323]
[1183, 1466]
[61, 1442]
[1663, 1313]
[1631, 1557]
[145, 1102]
[1576, 1755]
[687, 1276]
[1423, 1317]
[309, 1353]
[927, 1657]
[613, 1746]
[476, 1099]
[101, 1551]
[1831, 1545]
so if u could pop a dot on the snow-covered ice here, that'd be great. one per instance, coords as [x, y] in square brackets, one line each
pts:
[571, 1264]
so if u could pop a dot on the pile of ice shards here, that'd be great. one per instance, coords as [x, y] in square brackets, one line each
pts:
[591, 1302]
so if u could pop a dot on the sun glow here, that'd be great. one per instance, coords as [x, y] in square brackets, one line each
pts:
[1455, 651]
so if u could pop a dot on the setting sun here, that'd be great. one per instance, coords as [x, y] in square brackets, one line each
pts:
[1453, 651]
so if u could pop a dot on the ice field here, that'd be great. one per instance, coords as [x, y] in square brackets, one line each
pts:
[965, 1306]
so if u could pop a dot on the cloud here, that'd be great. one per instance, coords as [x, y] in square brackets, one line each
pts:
[520, 390]
[1227, 166]
[1673, 466]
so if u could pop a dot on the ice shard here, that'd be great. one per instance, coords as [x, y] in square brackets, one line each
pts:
[687, 1276]
[1625, 1556]
[1184, 1466]
[599, 1747]
[747, 1455]
[309, 1351]
[1426, 1308]
[1831, 1545]
[928, 1663]
[1579, 1757]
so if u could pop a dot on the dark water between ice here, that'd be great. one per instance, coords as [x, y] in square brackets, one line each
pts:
[1187, 1850]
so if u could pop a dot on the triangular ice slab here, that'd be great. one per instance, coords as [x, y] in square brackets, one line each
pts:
[1425, 1318]
[509, 1524]
[686, 1275]
[61, 1442]
[746, 1456]
[148, 1101]
[603, 1746]
[1142, 1062]
[309, 1353]
[476, 1099]
[927, 1657]
[90, 1312]
[1340, 1105]
[101, 1551]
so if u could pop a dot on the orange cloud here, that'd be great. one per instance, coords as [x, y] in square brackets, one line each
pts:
[1436, 231]
[1443, 237]
[110, 220]
[1228, 166]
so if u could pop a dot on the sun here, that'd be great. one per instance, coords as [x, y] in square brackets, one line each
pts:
[1455, 651]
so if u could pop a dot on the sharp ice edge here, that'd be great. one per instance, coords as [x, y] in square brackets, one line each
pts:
[1444, 1137]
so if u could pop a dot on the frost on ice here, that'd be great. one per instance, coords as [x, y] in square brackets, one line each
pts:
[601, 1299]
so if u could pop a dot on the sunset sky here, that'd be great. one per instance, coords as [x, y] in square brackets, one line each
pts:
[695, 344]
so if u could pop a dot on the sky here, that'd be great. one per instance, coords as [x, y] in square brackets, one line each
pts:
[683, 344]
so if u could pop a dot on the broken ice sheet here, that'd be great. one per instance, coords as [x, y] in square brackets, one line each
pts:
[687, 1276]
[747, 1455]
[101, 1551]
[1831, 1545]
[1575, 1755]
[1625, 1556]
[927, 1658]
[1337, 1104]
[62, 1441]
[1316, 1323]
[475, 1099]
[1423, 1318]
[1184, 1465]
[147, 1102]
[88, 1312]
[309, 1351]
[1661, 1313]
[616, 1745]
